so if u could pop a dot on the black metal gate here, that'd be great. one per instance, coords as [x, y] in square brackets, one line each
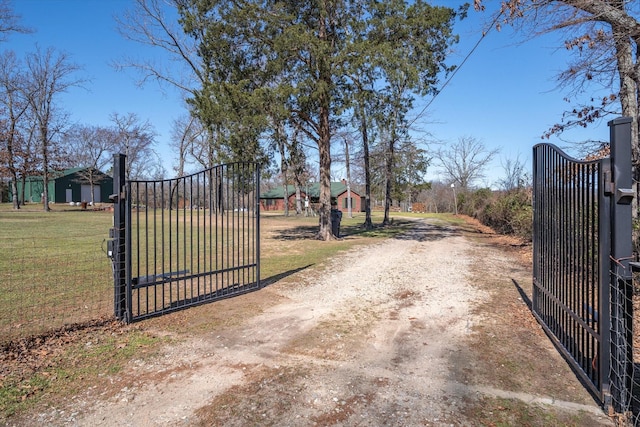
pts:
[184, 241]
[581, 254]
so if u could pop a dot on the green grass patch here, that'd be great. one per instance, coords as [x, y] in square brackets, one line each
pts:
[53, 269]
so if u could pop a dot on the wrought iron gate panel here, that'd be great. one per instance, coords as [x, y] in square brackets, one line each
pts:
[567, 263]
[189, 240]
[581, 254]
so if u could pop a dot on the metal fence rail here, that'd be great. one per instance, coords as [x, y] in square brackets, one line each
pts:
[187, 241]
[581, 244]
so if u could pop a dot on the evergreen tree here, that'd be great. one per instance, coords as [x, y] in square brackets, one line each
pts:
[305, 56]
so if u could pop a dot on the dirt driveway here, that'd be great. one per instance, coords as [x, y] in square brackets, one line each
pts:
[427, 329]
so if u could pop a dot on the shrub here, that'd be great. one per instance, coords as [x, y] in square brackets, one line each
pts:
[507, 212]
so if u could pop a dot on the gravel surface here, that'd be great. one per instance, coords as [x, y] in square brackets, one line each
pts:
[377, 339]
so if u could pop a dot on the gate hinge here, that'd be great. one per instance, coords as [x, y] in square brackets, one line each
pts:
[115, 198]
[609, 185]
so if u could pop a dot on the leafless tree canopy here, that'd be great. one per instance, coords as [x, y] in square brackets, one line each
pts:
[465, 161]
[515, 175]
[9, 21]
[605, 37]
[48, 74]
[148, 23]
[135, 139]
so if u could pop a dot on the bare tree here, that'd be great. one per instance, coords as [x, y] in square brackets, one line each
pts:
[48, 75]
[155, 24]
[91, 148]
[465, 161]
[186, 136]
[135, 139]
[15, 107]
[514, 174]
[605, 37]
[9, 21]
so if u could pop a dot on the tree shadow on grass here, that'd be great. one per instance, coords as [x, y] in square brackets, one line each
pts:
[427, 232]
[300, 232]
[310, 232]
[404, 229]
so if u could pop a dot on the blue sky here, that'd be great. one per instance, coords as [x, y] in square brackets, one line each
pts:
[504, 95]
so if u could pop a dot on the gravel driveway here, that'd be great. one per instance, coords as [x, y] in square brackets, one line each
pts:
[383, 337]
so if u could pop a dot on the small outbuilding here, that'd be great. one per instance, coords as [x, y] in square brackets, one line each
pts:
[273, 200]
[70, 185]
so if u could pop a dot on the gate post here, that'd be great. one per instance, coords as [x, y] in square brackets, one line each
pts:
[621, 371]
[119, 236]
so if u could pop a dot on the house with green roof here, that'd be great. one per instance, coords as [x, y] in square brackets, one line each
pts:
[273, 199]
[69, 185]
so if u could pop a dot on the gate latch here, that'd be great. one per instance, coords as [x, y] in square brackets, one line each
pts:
[624, 196]
[111, 242]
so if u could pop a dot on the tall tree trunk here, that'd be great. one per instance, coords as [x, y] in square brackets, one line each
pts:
[629, 102]
[628, 86]
[324, 147]
[14, 191]
[285, 193]
[324, 137]
[368, 224]
[45, 169]
[283, 167]
[389, 170]
[12, 167]
[298, 187]
[298, 169]
[388, 181]
[23, 179]
[347, 164]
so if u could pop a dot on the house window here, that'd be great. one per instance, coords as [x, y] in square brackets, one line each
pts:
[345, 204]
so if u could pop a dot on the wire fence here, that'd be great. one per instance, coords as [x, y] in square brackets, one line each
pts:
[625, 361]
[54, 271]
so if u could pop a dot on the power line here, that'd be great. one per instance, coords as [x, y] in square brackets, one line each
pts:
[484, 34]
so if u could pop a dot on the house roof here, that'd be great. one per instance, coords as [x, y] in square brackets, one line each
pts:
[72, 171]
[66, 172]
[337, 188]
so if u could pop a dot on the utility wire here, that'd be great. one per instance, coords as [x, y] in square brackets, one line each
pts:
[473, 49]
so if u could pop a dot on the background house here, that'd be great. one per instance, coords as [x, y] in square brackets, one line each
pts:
[70, 185]
[273, 200]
